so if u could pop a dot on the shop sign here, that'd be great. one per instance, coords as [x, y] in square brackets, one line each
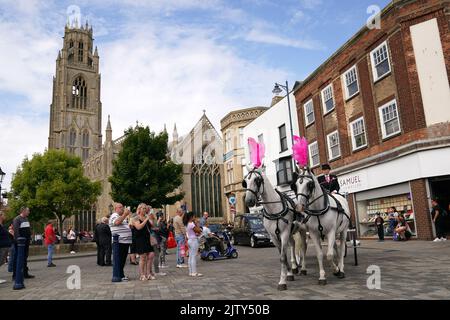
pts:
[353, 182]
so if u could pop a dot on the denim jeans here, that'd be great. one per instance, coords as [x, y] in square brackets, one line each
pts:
[162, 254]
[12, 252]
[50, 249]
[180, 243]
[193, 250]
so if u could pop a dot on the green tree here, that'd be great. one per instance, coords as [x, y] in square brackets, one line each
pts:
[143, 171]
[52, 185]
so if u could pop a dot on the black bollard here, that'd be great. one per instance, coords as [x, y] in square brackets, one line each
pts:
[20, 252]
[116, 259]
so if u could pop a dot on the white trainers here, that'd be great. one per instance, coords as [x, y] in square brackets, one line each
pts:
[72, 252]
[443, 239]
[2, 281]
[160, 274]
[181, 266]
[437, 240]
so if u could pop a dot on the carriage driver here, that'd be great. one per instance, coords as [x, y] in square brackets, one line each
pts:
[330, 183]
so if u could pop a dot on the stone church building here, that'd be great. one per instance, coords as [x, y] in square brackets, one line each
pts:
[76, 124]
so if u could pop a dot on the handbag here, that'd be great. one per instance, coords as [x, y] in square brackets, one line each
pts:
[153, 240]
[171, 243]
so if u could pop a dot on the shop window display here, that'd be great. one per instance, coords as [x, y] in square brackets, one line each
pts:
[402, 203]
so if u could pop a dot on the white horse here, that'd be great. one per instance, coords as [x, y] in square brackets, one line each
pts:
[278, 218]
[323, 219]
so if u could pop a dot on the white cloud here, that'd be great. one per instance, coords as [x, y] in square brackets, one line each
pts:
[156, 81]
[20, 137]
[262, 35]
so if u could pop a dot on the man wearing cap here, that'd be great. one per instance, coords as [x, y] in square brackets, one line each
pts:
[328, 181]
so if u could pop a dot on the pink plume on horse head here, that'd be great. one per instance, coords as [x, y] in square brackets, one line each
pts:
[300, 151]
[257, 151]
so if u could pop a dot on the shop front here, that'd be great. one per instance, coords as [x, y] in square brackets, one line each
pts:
[369, 203]
[406, 183]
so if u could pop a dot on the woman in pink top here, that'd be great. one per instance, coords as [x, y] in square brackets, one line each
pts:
[193, 245]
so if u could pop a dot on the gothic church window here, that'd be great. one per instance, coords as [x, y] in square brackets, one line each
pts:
[85, 141]
[72, 140]
[80, 52]
[79, 94]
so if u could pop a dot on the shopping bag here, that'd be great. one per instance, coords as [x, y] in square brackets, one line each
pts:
[171, 243]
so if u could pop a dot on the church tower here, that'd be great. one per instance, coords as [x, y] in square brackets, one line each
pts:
[76, 109]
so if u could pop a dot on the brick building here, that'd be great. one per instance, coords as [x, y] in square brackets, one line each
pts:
[378, 111]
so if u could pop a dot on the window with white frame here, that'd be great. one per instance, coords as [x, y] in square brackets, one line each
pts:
[380, 61]
[358, 133]
[351, 82]
[390, 123]
[309, 112]
[314, 158]
[228, 146]
[327, 99]
[334, 149]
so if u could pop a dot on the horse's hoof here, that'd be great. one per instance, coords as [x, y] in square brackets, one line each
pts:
[303, 272]
[339, 274]
[322, 282]
[282, 287]
[290, 278]
[295, 271]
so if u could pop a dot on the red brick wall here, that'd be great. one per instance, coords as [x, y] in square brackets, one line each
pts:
[342, 123]
[404, 98]
[370, 117]
[421, 209]
[395, 28]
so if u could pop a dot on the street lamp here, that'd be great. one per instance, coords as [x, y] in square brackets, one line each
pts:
[2, 175]
[277, 90]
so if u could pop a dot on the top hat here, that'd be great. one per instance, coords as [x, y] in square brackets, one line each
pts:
[326, 167]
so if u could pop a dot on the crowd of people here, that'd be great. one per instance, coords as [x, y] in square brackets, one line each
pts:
[144, 234]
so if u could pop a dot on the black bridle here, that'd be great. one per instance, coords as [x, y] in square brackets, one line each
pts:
[286, 202]
[311, 186]
[259, 181]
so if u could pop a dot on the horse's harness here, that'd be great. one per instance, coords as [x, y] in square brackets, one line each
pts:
[287, 203]
[320, 212]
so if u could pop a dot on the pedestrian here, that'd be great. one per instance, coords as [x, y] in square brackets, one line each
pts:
[155, 241]
[64, 236]
[164, 235]
[141, 225]
[50, 240]
[103, 236]
[379, 222]
[71, 238]
[392, 216]
[193, 231]
[180, 237]
[402, 229]
[119, 225]
[12, 249]
[5, 242]
[438, 215]
[204, 219]
[22, 229]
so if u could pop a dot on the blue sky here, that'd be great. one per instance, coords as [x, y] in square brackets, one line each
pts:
[164, 61]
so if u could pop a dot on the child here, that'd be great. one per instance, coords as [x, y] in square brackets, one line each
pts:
[379, 222]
